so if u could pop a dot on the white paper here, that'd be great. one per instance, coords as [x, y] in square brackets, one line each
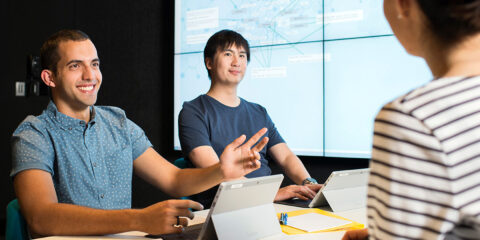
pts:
[312, 222]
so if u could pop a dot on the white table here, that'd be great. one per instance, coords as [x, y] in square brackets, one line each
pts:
[358, 215]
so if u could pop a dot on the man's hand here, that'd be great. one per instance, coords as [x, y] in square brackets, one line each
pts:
[303, 192]
[359, 234]
[237, 160]
[161, 217]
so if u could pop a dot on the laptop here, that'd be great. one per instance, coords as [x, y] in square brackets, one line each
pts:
[343, 190]
[241, 209]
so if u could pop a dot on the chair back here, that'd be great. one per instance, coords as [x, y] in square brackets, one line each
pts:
[181, 163]
[16, 228]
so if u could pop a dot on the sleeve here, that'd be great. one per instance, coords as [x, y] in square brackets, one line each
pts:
[31, 148]
[140, 142]
[192, 129]
[273, 134]
[409, 191]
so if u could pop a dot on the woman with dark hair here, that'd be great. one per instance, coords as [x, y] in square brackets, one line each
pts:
[425, 167]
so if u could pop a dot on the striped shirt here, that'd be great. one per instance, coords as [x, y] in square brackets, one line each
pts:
[425, 166]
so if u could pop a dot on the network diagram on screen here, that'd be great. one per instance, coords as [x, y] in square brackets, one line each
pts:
[322, 69]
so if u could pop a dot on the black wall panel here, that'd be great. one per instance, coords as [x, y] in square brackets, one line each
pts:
[27, 24]
[134, 40]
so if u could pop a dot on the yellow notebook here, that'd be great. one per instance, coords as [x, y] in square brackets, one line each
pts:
[291, 231]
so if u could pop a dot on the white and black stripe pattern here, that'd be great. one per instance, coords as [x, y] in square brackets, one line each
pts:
[425, 166]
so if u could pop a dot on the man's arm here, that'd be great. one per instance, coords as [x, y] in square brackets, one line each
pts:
[237, 159]
[289, 162]
[296, 171]
[205, 156]
[45, 216]
[176, 182]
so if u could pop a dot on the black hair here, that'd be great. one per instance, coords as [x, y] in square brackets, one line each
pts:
[451, 21]
[49, 55]
[222, 40]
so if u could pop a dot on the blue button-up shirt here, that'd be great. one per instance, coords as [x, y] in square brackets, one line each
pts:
[91, 164]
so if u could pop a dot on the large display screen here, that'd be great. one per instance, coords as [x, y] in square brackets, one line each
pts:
[322, 69]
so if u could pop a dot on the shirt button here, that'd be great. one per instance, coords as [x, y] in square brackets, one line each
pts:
[94, 164]
[69, 128]
[102, 196]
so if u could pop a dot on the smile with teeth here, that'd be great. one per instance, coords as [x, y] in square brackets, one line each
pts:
[86, 88]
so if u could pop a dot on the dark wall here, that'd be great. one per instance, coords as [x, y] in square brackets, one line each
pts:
[134, 40]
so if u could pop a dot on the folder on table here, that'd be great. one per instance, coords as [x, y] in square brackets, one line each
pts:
[300, 222]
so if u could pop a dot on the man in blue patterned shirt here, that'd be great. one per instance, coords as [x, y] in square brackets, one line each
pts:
[73, 164]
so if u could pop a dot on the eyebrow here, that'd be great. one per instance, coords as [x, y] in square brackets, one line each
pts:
[79, 61]
[230, 50]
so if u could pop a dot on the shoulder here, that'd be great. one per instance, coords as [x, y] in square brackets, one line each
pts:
[31, 124]
[195, 103]
[408, 102]
[253, 106]
[412, 112]
[434, 96]
[33, 133]
[436, 90]
[399, 113]
[111, 115]
[110, 111]
[200, 105]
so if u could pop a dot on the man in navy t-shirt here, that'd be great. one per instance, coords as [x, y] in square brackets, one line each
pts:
[212, 120]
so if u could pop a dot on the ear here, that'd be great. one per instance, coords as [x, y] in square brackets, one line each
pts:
[48, 77]
[209, 63]
[403, 8]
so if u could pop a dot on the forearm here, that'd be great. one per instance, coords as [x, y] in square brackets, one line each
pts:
[237, 159]
[191, 181]
[68, 219]
[45, 216]
[172, 180]
[294, 169]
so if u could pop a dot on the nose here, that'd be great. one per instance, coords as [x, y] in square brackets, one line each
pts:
[88, 73]
[235, 61]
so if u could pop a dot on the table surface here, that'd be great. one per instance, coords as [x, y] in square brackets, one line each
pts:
[358, 215]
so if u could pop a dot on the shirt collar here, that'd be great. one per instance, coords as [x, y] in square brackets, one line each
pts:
[66, 122]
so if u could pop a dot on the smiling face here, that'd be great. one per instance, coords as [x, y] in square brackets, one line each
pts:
[77, 80]
[228, 65]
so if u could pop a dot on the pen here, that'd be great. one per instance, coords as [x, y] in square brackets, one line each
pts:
[283, 218]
